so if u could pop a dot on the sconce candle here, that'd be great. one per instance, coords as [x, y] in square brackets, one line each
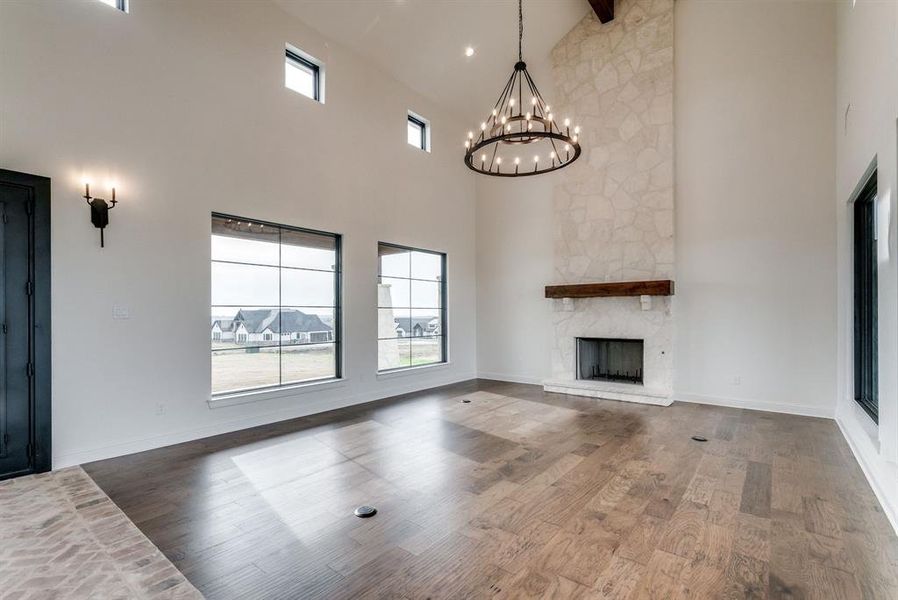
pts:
[99, 211]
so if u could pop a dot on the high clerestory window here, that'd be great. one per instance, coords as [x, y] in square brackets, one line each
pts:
[418, 132]
[122, 5]
[304, 74]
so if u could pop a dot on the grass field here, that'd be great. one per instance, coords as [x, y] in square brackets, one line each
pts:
[240, 369]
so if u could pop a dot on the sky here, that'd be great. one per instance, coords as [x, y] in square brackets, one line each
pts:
[307, 282]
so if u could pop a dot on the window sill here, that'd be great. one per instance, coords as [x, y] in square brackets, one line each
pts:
[411, 370]
[272, 394]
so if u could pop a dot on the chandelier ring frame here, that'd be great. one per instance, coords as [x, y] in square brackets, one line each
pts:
[507, 137]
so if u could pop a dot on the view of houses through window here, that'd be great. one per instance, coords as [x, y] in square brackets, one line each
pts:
[411, 307]
[275, 317]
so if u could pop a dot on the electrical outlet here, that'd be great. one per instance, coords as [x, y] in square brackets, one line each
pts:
[160, 409]
[737, 380]
[121, 313]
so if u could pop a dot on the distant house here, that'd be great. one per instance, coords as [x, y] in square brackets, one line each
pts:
[416, 326]
[270, 325]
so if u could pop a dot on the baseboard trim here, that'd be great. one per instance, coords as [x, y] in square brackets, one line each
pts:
[303, 409]
[871, 473]
[509, 378]
[762, 405]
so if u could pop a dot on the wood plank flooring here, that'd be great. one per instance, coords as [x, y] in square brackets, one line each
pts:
[516, 494]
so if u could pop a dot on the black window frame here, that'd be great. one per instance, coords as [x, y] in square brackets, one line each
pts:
[422, 124]
[338, 308]
[443, 311]
[121, 5]
[312, 66]
[866, 317]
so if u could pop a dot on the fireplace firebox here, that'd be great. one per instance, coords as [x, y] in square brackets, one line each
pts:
[608, 359]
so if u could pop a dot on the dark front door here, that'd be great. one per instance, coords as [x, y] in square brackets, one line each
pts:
[24, 324]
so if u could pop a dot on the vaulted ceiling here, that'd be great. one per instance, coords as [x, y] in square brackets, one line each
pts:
[422, 42]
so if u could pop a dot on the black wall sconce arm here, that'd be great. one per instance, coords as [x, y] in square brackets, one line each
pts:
[99, 211]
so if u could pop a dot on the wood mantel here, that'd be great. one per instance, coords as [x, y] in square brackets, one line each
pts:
[660, 287]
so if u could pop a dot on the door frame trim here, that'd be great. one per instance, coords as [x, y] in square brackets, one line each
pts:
[41, 388]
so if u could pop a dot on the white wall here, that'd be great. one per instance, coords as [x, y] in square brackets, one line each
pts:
[756, 278]
[514, 264]
[184, 104]
[865, 122]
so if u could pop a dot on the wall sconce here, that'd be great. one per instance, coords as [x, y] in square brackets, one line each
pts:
[99, 210]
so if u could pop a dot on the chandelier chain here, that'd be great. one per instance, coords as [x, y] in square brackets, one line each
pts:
[520, 30]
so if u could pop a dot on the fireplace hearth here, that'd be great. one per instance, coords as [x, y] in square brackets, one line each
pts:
[610, 359]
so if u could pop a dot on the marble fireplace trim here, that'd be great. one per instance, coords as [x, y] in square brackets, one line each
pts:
[614, 318]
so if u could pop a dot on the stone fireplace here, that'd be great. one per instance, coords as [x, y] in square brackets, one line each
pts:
[614, 208]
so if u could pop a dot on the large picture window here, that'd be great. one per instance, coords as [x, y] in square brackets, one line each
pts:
[411, 307]
[275, 316]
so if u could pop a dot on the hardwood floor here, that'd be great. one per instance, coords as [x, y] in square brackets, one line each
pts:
[517, 494]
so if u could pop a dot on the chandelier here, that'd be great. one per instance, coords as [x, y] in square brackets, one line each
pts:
[521, 136]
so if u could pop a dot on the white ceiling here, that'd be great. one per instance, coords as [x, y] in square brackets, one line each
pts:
[422, 42]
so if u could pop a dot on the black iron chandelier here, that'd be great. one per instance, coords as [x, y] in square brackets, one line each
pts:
[520, 121]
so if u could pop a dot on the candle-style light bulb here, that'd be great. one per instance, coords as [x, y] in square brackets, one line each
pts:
[577, 130]
[517, 160]
[483, 126]
[527, 116]
[483, 158]
[533, 100]
[567, 147]
[504, 119]
[536, 158]
[467, 145]
[550, 117]
[529, 126]
[552, 155]
[498, 160]
[470, 135]
[576, 137]
[494, 112]
[511, 102]
[567, 122]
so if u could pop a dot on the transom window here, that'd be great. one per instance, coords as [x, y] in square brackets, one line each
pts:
[303, 74]
[411, 307]
[122, 5]
[275, 316]
[418, 132]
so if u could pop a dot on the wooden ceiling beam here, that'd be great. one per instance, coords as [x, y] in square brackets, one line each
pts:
[604, 9]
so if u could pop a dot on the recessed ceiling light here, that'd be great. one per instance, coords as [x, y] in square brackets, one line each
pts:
[469, 51]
